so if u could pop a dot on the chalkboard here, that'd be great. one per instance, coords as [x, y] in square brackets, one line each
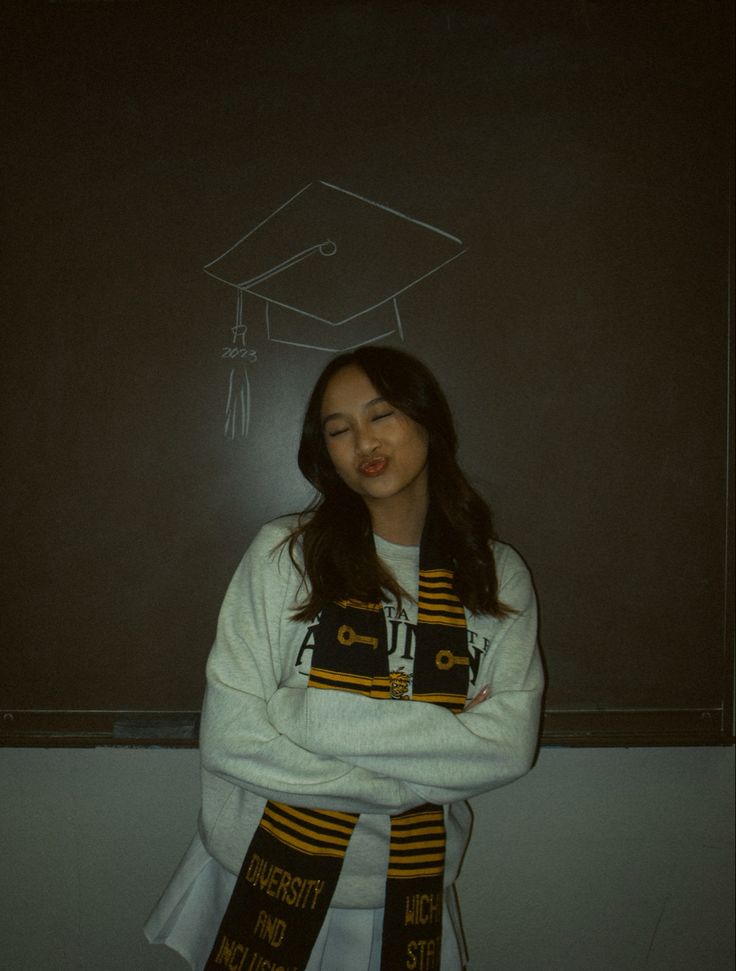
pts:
[559, 174]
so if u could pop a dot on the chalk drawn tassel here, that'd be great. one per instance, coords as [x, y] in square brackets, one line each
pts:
[237, 409]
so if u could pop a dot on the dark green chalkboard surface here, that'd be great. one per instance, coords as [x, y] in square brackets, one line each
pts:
[202, 201]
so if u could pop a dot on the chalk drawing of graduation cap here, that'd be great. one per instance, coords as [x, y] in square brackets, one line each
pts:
[330, 265]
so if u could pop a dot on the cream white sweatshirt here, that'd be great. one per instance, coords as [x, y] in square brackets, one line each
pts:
[264, 735]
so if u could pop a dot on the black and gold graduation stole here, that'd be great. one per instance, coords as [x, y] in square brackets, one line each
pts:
[283, 891]
[292, 866]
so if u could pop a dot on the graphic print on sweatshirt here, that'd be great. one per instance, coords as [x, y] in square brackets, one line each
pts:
[402, 629]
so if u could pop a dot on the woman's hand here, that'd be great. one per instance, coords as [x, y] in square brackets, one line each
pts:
[479, 698]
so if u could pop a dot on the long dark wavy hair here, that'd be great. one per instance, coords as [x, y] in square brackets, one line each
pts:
[335, 531]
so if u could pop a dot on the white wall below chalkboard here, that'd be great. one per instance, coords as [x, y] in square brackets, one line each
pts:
[613, 859]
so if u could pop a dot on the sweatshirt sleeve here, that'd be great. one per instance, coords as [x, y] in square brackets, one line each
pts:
[441, 756]
[238, 742]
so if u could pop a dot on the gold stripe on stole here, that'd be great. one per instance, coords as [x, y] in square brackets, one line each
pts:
[378, 687]
[360, 605]
[436, 603]
[436, 698]
[417, 846]
[319, 833]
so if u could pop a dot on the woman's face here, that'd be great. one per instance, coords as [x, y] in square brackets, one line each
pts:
[378, 451]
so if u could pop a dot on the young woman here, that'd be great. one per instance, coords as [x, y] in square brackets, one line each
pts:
[375, 665]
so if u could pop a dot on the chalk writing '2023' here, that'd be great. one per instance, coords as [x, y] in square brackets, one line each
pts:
[246, 353]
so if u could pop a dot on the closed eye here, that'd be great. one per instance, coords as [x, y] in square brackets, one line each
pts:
[384, 414]
[334, 432]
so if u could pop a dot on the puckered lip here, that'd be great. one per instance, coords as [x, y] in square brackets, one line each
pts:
[373, 466]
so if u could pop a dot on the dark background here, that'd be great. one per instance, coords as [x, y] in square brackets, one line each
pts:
[582, 153]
